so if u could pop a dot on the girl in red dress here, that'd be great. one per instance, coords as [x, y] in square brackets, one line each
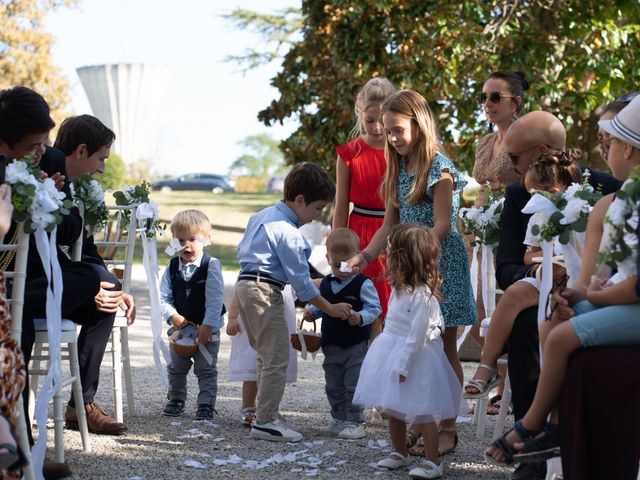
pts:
[360, 169]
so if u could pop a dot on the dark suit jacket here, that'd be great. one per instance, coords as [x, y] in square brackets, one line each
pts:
[510, 265]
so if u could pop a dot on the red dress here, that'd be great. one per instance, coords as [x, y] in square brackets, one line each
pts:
[367, 167]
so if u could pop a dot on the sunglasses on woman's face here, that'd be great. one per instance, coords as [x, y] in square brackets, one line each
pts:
[493, 97]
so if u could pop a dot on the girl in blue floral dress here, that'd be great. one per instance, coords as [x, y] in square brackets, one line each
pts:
[423, 186]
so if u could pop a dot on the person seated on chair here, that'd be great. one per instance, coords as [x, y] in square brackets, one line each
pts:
[526, 139]
[86, 143]
[25, 123]
[552, 172]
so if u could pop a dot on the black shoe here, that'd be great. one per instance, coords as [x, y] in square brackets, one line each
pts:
[205, 412]
[173, 408]
[52, 470]
[529, 471]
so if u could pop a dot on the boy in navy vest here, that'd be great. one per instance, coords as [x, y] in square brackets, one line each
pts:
[191, 300]
[345, 342]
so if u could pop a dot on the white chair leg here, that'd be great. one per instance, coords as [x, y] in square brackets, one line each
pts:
[128, 377]
[76, 386]
[58, 426]
[481, 409]
[23, 438]
[505, 402]
[116, 358]
[37, 366]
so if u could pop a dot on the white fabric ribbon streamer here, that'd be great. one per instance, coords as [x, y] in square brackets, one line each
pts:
[48, 255]
[150, 261]
[541, 208]
[473, 270]
[303, 347]
[572, 261]
[546, 280]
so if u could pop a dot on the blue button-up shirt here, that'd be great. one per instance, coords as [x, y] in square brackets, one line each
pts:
[272, 244]
[371, 308]
[213, 292]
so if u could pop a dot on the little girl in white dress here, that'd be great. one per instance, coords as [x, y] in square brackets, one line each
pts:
[406, 372]
[242, 362]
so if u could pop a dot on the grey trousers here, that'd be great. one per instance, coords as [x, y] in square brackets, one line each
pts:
[341, 372]
[207, 374]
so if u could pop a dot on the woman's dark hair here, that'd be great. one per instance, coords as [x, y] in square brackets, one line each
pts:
[516, 82]
[557, 167]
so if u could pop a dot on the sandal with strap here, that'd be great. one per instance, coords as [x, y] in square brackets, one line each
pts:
[455, 440]
[482, 386]
[506, 448]
[173, 408]
[541, 448]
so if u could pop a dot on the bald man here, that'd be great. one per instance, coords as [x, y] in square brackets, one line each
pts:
[527, 138]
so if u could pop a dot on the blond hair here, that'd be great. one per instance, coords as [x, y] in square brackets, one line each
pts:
[190, 221]
[412, 258]
[376, 90]
[343, 241]
[414, 106]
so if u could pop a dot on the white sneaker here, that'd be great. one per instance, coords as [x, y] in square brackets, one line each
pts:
[436, 471]
[334, 427]
[394, 461]
[274, 431]
[352, 431]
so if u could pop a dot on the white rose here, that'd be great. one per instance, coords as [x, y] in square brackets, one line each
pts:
[41, 219]
[144, 211]
[572, 211]
[17, 172]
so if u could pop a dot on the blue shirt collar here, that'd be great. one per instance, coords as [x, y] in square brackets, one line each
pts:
[288, 211]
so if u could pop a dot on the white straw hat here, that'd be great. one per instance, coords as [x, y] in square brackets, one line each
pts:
[626, 124]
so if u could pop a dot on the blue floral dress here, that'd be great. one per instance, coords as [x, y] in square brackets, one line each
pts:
[458, 306]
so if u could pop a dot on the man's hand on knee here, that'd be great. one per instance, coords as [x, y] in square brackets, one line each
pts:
[108, 300]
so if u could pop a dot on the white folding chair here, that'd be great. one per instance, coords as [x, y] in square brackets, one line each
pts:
[480, 411]
[68, 351]
[19, 278]
[119, 239]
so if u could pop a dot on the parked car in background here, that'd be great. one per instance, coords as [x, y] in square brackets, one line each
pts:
[195, 181]
[275, 184]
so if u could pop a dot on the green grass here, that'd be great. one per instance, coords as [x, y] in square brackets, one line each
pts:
[228, 213]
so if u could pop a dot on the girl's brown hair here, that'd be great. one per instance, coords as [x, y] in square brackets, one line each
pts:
[557, 168]
[414, 106]
[412, 258]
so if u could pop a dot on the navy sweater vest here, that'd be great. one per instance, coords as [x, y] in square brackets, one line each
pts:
[339, 332]
[191, 306]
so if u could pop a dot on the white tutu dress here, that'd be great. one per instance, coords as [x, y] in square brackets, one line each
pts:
[242, 362]
[410, 345]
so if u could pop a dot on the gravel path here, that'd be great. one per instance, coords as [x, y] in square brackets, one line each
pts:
[152, 450]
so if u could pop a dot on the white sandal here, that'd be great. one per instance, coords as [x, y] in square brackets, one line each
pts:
[483, 386]
[436, 471]
[394, 461]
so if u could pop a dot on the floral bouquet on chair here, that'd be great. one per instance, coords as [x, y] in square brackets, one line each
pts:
[621, 229]
[91, 193]
[147, 211]
[482, 222]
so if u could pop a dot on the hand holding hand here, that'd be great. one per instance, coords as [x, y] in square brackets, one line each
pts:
[233, 326]
[204, 334]
[354, 319]
[340, 310]
[108, 300]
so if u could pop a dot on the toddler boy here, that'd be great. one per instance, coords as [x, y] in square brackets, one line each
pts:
[345, 342]
[191, 301]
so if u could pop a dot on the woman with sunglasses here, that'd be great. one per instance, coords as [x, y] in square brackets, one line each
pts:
[501, 98]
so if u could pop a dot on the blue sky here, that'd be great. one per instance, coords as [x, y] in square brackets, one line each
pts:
[209, 105]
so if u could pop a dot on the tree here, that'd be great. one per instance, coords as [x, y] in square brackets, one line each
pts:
[577, 54]
[115, 173]
[263, 157]
[25, 51]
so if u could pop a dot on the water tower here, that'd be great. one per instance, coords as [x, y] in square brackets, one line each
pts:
[126, 97]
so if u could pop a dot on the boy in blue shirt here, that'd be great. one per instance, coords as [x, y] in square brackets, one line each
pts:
[271, 254]
[191, 300]
[345, 343]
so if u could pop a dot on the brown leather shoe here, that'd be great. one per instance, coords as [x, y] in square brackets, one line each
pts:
[97, 420]
[52, 470]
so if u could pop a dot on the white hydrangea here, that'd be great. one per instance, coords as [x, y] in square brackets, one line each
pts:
[573, 209]
[616, 212]
[18, 172]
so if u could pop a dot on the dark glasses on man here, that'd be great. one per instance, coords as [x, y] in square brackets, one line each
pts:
[493, 97]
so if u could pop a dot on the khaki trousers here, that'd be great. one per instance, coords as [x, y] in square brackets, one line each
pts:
[261, 307]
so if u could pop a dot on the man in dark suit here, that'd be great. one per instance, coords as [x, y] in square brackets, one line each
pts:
[527, 138]
[25, 123]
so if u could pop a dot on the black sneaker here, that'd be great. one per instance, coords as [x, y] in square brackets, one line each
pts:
[205, 412]
[173, 408]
